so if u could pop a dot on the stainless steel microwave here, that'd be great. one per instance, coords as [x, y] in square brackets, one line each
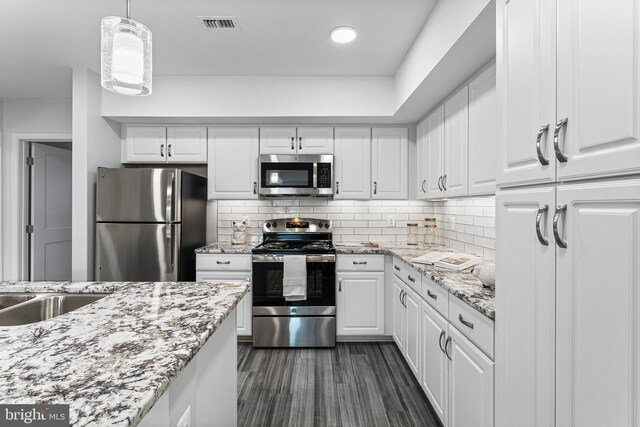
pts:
[296, 175]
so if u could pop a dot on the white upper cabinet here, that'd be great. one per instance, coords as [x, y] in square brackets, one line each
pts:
[389, 163]
[187, 144]
[352, 163]
[483, 132]
[526, 48]
[233, 163]
[423, 159]
[598, 90]
[598, 304]
[525, 329]
[278, 140]
[144, 144]
[315, 140]
[456, 140]
[435, 153]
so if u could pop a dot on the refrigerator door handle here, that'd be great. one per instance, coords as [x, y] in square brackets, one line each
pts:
[169, 247]
[170, 189]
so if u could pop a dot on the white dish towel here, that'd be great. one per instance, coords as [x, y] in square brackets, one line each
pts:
[294, 280]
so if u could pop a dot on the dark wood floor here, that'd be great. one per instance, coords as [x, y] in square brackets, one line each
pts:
[355, 384]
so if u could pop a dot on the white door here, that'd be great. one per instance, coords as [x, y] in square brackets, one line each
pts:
[598, 305]
[187, 144]
[526, 72]
[360, 303]
[399, 316]
[144, 144]
[421, 174]
[352, 163]
[456, 143]
[233, 163]
[315, 140]
[412, 302]
[434, 368]
[435, 153]
[525, 328]
[389, 163]
[599, 87]
[278, 140]
[470, 383]
[483, 132]
[51, 213]
[244, 309]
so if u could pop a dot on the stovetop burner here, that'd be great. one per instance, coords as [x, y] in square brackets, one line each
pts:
[296, 235]
[275, 245]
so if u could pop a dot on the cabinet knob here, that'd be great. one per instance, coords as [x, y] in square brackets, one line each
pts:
[255, 187]
[431, 294]
[169, 150]
[339, 285]
[161, 150]
[375, 187]
[300, 143]
[464, 322]
[337, 187]
[293, 141]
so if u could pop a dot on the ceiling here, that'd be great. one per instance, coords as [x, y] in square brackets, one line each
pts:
[41, 39]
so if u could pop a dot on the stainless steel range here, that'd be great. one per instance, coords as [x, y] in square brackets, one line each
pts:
[310, 322]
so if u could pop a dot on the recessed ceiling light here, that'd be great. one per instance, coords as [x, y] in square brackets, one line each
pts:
[343, 34]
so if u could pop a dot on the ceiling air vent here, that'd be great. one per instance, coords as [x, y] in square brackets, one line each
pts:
[218, 22]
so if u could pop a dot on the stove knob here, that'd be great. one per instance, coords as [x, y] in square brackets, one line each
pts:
[275, 224]
[326, 225]
[268, 225]
[319, 225]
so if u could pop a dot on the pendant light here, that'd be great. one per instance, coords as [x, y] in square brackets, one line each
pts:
[126, 55]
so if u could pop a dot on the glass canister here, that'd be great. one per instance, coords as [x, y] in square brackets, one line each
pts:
[430, 236]
[412, 233]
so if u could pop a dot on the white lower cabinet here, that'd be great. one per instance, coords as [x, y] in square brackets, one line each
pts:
[412, 303]
[399, 317]
[434, 368]
[360, 303]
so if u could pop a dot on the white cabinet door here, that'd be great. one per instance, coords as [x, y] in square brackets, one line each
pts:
[186, 144]
[599, 87]
[389, 163]
[483, 132]
[352, 163]
[456, 143]
[525, 327]
[435, 153]
[315, 140]
[144, 144]
[422, 131]
[526, 71]
[233, 163]
[598, 305]
[412, 302]
[360, 303]
[244, 309]
[434, 369]
[399, 315]
[278, 140]
[470, 384]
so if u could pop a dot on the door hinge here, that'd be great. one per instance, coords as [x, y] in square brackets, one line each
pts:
[29, 229]
[30, 161]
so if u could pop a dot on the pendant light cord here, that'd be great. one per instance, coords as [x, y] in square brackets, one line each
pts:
[128, 9]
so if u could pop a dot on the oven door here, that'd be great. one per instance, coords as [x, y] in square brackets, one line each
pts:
[289, 175]
[267, 282]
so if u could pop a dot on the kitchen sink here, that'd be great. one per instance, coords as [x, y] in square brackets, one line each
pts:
[40, 306]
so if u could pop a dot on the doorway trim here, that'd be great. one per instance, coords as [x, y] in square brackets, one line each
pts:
[14, 213]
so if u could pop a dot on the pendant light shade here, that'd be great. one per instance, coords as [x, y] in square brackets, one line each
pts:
[126, 56]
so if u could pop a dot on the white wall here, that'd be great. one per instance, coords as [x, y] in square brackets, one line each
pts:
[96, 142]
[20, 117]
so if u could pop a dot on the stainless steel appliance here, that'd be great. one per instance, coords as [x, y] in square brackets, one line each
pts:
[296, 175]
[307, 323]
[148, 224]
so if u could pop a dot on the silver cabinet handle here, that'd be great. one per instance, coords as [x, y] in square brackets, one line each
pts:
[440, 341]
[404, 300]
[464, 322]
[223, 262]
[431, 294]
[446, 349]
[411, 278]
[169, 150]
[541, 211]
[424, 181]
[255, 187]
[300, 143]
[337, 187]
[444, 182]
[439, 181]
[395, 267]
[293, 139]
[400, 296]
[161, 150]
[375, 187]
[543, 160]
[339, 285]
[556, 219]
[360, 262]
[559, 154]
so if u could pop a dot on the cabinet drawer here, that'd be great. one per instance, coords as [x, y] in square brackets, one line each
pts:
[437, 297]
[413, 278]
[472, 324]
[230, 262]
[223, 276]
[398, 268]
[360, 263]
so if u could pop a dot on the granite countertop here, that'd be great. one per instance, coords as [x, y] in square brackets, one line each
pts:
[461, 284]
[113, 359]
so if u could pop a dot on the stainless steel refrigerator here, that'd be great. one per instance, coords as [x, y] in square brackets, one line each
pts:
[148, 224]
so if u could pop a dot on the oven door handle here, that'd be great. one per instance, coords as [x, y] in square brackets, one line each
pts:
[280, 258]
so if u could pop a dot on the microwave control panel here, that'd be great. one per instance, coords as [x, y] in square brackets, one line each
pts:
[324, 175]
